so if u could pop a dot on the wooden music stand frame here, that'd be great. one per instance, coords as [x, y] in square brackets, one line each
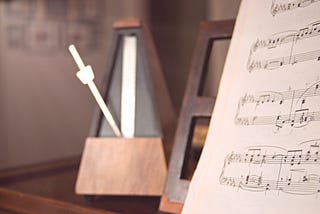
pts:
[193, 106]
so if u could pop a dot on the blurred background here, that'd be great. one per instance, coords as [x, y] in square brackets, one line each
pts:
[45, 112]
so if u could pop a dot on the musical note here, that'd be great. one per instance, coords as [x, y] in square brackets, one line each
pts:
[275, 40]
[290, 157]
[264, 98]
[300, 119]
[297, 170]
[262, 49]
[290, 108]
[275, 63]
[308, 185]
[277, 8]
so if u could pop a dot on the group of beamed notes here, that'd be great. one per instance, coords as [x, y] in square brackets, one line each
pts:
[285, 48]
[286, 108]
[291, 176]
[281, 7]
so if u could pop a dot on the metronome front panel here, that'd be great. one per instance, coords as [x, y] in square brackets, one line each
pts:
[146, 116]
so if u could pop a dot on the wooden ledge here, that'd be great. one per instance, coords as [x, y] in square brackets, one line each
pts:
[18, 202]
[168, 206]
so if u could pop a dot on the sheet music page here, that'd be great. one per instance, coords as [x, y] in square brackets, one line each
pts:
[262, 150]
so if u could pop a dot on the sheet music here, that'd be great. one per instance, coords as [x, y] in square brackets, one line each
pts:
[262, 150]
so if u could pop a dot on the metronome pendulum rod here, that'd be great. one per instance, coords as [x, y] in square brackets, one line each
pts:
[86, 76]
[128, 86]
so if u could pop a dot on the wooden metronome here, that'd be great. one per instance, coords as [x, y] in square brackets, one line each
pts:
[138, 99]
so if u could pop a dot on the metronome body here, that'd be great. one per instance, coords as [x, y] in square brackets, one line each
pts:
[133, 164]
[147, 122]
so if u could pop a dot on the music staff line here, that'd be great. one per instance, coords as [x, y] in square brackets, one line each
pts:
[282, 38]
[253, 168]
[298, 119]
[307, 185]
[297, 112]
[281, 97]
[275, 63]
[277, 8]
[291, 36]
[297, 158]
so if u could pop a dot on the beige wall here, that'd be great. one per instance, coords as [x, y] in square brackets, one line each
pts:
[174, 25]
[45, 111]
[218, 10]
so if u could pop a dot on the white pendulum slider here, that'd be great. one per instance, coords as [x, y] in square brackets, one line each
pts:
[128, 86]
[86, 76]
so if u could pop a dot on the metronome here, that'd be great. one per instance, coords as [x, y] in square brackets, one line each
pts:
[124, 154]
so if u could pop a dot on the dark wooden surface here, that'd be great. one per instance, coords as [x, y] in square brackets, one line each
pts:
[50, 186]
[193, 106]
[14, 201]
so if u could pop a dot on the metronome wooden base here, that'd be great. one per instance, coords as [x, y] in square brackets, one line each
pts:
[122, 166]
